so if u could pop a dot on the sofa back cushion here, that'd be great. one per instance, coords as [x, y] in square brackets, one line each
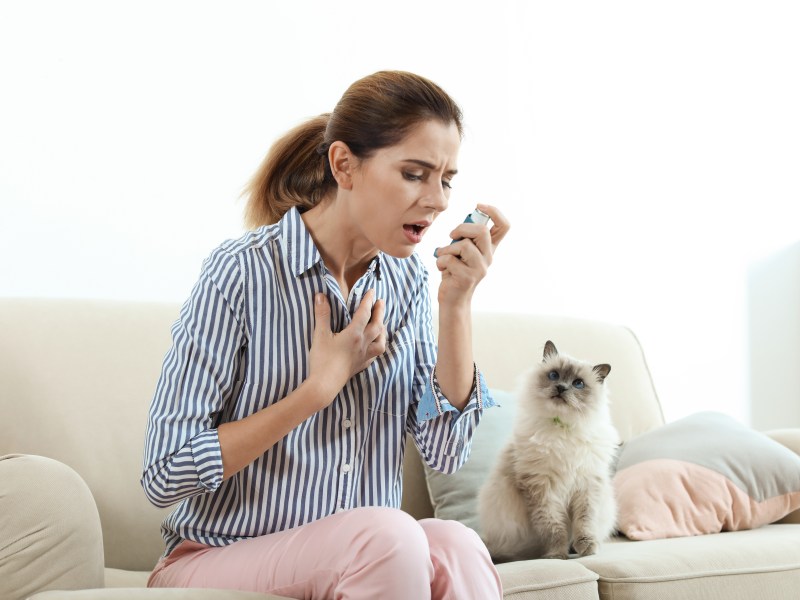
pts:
[507, 344]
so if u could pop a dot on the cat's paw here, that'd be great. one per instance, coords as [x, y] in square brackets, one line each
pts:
[556, 556]
[585, 546]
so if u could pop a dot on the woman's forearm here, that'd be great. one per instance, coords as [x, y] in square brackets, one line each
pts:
[243, 441]
[455, 364]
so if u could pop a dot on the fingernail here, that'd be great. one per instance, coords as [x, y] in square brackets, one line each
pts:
[318, 299]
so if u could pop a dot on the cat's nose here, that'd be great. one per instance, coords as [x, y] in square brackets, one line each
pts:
[561, 388]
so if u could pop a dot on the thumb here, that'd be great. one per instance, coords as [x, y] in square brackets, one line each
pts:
[322, 314]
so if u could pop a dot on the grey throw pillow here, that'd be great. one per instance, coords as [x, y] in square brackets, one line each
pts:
[456, 496]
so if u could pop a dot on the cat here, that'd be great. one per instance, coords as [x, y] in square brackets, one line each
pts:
[550, 490]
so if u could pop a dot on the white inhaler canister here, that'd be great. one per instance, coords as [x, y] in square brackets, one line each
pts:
[476, 216]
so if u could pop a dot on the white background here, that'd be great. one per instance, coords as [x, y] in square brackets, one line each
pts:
[647, 153]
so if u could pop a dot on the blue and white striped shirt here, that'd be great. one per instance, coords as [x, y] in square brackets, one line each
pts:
[241, 343]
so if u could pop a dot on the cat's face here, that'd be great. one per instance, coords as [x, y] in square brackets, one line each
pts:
[568, 385]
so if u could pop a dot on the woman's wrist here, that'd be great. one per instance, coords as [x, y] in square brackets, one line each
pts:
[457, 309]
[320, 391]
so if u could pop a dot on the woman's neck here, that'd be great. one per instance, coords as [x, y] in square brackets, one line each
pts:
[346, 253]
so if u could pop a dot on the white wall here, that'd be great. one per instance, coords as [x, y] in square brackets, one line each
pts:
[774, 310]
[646, 152]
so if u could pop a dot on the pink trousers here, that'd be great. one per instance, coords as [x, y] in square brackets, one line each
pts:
[362, 553]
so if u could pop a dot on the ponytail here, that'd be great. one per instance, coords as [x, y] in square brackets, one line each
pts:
[294, 173]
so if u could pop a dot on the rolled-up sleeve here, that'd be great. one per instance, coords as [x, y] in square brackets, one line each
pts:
[442, 433]
[182, 454]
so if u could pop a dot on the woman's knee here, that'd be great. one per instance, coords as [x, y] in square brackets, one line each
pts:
[392, 533]
[461, 562]
[450, 533]
[452, 543]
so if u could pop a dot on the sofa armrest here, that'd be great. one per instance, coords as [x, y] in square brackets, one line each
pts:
[49, 527]
[791, 439]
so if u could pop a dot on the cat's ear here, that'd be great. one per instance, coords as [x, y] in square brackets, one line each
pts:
[601, 371]
[549, 350]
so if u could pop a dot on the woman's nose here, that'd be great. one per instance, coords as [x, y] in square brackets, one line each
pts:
[436, 198]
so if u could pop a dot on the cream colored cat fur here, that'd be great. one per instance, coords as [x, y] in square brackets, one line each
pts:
[550, 491]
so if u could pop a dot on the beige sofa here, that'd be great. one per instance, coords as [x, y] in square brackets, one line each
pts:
[77, 378]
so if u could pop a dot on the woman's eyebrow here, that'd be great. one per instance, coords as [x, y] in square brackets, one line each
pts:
[427, 165]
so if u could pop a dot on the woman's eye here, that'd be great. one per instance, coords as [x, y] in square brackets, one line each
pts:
[552, 375]
[578, 383]
[412, 176]
[447, 184]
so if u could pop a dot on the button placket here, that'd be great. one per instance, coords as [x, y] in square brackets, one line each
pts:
[348, 443]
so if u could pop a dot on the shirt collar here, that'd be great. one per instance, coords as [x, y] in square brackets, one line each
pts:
[300, 247]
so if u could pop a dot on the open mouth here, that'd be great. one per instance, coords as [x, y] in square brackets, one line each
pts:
[414, 231]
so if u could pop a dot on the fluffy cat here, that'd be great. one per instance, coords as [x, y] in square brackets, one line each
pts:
[550, 490]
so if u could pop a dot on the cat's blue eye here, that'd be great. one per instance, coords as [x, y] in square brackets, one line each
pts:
[552, 375]
[578, 383]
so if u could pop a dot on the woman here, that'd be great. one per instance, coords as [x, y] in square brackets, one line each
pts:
[305, 355]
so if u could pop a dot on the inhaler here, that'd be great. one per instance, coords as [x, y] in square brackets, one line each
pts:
[476, 216]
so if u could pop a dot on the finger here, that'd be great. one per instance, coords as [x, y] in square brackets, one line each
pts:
[468, 251]
[376, 325]
[467, 230]
[500, 224]
[363, 313]
[378, 312]
[446, 259]
[377, 346]
[478, 234]
[366, 363]
[462, 268]
[454, 249]
[480, 248]
[322, 314]
[379, 340]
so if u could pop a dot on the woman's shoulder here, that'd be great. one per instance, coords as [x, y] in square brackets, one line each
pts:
[250, 240]
[233, 253]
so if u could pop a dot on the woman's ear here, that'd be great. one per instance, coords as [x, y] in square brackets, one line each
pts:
[342, 162]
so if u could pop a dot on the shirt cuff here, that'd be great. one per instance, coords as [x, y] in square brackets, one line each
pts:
[207, 458]
[434, 404]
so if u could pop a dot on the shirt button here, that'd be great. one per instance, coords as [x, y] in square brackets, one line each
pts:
[346, 468]
[347, 423]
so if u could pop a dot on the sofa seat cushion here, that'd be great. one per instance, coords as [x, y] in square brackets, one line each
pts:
[736, 565]
[121, 578]
[547, 579]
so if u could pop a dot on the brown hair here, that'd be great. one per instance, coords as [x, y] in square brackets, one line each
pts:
[375, 112]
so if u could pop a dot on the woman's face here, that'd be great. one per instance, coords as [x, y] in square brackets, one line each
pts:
[399, 191]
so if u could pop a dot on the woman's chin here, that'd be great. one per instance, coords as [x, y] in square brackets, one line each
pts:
[399, 251]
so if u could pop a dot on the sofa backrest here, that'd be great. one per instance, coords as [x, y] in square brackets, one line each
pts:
[505, 345]
[77, 377]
